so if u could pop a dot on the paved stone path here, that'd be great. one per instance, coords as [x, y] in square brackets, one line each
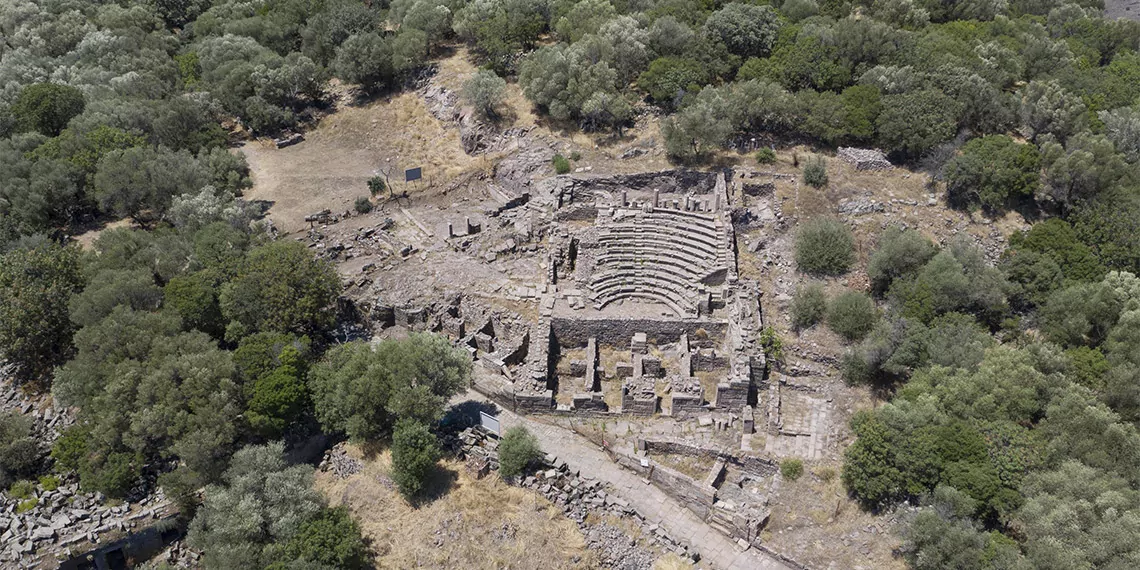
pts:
[717, 550]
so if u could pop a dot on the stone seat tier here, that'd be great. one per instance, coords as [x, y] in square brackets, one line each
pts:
[618, 286]
[709, 236]
[618, 289]
[686, 215]
[654, 273]
[700, 253]
[649, 295]
[661, 240]
[633, 255]
[627, 263]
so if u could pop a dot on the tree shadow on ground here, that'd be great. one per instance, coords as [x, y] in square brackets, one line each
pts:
[437, 485]
[466, 414]
[372, 449]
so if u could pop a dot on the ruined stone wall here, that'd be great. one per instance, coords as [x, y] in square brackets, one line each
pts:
[707, 362]
[593, 401]
[638, 406]
[731, 395]
[686, 405]
[534, 403]
[693, 495]
[617, 332]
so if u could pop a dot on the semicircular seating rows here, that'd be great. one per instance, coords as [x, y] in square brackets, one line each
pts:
[659, 255]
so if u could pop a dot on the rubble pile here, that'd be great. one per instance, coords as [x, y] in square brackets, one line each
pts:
[864, 158]
[580, 496]
[339, 463]
[64, 519]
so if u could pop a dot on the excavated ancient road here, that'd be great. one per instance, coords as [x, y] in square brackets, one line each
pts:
[716, 549]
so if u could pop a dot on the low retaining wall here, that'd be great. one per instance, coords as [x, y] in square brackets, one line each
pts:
[694, 496]
[751, 464]
[619, 332]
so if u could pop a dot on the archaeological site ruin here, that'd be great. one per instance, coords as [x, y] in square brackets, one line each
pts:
[637, 313]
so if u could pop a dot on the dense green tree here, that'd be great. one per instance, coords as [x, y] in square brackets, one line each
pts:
[365, 58]
[331, 539]
[111, 288]
[746, 29]
[517, 450]
[913, 123]
[824, 247]
[144, 387]
[35, 288]
[194, 298]
[1110, 223]
[415, 453]
[20, 454]
[279, 398]
[992, 171]
[868, 470]
[362, 391]
[261, 353]
[261, 503]
[47, 107]
[1048, 257]
[862, 105]
[280, 287]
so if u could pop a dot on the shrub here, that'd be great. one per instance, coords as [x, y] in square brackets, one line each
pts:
[517, 450]
[376, 185]
[815, 172]
[809, 305]
[561, 165]
[791, 468]
[765, 156]
[772, 343]
[362, 205]
[901, 253]
[25, 506]
[414, 454]
[826, 473]
[852, 315]
[49, 482]
[824, 247]
[485, 91]
[575, 156]
[331, 539]
[21, 489]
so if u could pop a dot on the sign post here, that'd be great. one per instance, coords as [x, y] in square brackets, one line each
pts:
[413, 174]
[490, 423]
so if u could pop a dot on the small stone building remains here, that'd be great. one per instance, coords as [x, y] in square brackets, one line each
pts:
[864, 158]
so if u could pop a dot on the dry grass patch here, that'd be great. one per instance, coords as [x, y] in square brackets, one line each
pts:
[473, 524]
[331, 167]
